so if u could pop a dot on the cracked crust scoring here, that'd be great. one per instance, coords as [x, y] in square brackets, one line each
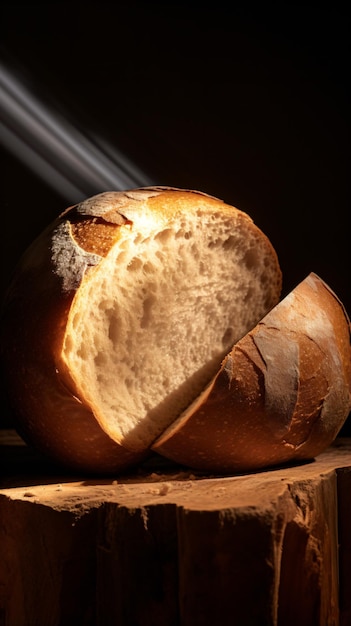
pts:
[283, 392]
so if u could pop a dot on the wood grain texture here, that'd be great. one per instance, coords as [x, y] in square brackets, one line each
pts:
[167, 546]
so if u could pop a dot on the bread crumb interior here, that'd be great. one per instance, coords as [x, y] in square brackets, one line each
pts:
[151, 323]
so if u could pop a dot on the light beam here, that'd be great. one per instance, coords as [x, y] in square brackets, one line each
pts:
[74, 164]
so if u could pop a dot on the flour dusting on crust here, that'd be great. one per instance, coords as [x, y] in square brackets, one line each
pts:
[69, 260]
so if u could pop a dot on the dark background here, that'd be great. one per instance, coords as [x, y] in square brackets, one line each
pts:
[250, 105]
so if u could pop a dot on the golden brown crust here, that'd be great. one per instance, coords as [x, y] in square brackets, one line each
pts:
[55, 421]
[282, 394]
[48, 413]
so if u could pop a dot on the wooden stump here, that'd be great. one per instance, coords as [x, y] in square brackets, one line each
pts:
[167, 547]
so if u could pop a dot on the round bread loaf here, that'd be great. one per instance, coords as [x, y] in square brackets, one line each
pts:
[120, 314]
[282, 393]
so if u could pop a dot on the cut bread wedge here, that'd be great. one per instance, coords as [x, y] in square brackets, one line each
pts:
[282, 393]
[120, 314]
